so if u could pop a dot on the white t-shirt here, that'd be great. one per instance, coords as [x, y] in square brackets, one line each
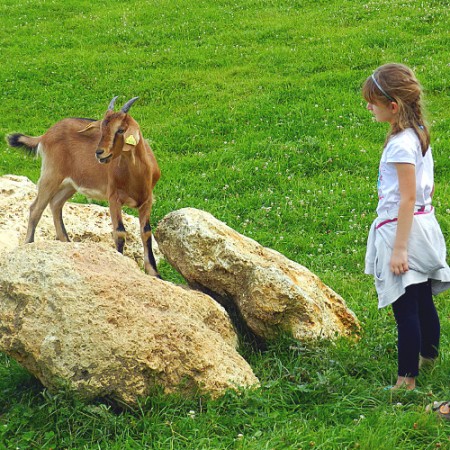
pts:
[403, 147]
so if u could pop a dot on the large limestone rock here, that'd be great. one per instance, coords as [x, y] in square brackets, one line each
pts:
[272, 293]
[84, 223]
[85, 317]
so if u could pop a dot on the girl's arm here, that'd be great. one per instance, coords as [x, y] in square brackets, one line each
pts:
[407, 183]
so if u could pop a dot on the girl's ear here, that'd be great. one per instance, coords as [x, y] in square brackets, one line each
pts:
[394, 107]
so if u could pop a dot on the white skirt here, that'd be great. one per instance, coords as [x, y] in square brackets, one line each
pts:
[426, 257]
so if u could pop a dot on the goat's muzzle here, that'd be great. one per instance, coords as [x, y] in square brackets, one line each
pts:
[102, 159]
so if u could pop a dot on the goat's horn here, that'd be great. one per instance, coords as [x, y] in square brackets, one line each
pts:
[111, 104]
[128, 104]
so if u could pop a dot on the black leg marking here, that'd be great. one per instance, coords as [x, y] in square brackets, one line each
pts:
[120, 242]
[151, 256]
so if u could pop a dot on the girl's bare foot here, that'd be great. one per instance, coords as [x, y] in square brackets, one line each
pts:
[408, 383]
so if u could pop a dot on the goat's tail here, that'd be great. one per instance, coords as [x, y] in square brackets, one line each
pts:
[30, 143]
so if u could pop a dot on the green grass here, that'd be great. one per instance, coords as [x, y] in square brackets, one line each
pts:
[254, 111]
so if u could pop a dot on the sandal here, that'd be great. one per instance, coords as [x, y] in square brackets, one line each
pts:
[442, 409]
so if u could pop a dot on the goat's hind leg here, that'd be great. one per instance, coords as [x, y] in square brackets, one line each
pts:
[47, 188]
[56, 206]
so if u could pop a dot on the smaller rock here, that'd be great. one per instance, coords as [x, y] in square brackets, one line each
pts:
[272, 293]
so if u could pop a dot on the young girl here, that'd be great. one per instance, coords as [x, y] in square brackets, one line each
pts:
[406, 251]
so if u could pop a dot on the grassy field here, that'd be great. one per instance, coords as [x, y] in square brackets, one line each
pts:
[254, 111]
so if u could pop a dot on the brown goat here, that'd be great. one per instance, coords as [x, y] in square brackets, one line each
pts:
[71, 151]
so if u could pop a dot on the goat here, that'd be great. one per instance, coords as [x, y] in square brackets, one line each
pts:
[71, 151]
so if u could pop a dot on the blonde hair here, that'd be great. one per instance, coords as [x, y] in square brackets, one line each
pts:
[397, 82]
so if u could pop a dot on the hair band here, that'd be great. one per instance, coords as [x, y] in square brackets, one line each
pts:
[392, 99]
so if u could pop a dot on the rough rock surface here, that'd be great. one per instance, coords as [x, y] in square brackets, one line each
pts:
[272, 293]
[85, 317]
[84, 223]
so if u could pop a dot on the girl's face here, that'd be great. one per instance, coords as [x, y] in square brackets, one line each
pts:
[383, 112]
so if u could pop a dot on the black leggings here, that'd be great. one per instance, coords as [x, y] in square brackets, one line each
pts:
[418, 328]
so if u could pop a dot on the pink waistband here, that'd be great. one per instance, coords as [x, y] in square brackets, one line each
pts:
[419, 212]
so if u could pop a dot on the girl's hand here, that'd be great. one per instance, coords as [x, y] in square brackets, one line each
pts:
[399, 261]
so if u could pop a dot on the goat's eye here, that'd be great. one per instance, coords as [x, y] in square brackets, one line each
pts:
[120, 131]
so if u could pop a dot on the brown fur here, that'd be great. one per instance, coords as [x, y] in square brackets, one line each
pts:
[94, 158]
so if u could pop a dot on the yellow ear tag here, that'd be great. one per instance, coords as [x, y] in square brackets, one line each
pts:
[130, 140]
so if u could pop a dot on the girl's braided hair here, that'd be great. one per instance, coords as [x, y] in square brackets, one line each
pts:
[397, 82]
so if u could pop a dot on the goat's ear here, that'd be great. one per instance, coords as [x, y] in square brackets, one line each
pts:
[91, 127]
[131, 138]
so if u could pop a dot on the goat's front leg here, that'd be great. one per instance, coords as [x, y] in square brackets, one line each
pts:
[119, 232]
[56, 205]
[146, 236]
